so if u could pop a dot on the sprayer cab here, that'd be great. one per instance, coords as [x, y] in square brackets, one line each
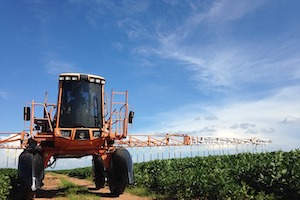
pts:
[81, 116]
[81, 101]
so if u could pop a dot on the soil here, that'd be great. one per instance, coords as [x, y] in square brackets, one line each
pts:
[52, 189]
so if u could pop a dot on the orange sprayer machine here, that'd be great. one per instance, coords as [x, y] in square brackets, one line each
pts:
[80, 124]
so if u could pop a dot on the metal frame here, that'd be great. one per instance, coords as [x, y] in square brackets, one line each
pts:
[185, 140]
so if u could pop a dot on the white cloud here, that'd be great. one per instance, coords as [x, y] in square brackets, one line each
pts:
[268, 130]
[246, 125]
[213, 15]
[203, 43]
[225, 11]
[118, 46]
[271, 109]
[260, 118]
[123, 10]
[57, 66]
[218, 61]
[231, 65]
[210, 117]
[291, 120]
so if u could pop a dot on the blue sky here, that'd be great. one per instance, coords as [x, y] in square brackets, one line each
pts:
[225, 68]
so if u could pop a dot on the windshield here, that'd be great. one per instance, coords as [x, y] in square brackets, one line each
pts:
[80, 105]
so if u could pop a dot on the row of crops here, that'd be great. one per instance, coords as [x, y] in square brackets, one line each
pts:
[83, 173]
[274, 175]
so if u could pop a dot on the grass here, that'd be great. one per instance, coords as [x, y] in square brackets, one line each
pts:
[143, 192]
[75, 192]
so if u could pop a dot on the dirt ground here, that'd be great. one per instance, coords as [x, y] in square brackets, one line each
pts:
[52, 189]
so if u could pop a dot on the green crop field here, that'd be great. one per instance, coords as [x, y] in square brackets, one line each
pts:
[274, 175]
[83, 173]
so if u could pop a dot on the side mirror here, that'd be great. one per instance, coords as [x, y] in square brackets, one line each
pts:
[130, 117]
[26, 114]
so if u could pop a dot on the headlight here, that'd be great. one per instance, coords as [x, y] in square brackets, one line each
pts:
[65, 133]
[82, 135]
[96, 134]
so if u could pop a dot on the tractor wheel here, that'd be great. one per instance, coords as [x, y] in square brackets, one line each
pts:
[120, 169]
[99, 184]
[98, 172]
[25, 193]
[116, 188]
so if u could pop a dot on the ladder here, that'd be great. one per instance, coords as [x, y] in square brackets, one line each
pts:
[119, 114]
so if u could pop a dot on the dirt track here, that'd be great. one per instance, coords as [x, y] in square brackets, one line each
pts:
[52, 189]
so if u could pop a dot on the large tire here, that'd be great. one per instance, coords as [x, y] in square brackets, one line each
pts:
[116, 187]
[30, 170]
[120, 173]
[29, 195]
[25, 193]
[98, 172]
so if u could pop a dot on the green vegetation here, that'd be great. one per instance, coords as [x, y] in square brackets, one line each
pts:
[83, 173]
[74, 192]
[7, 182]
[272, 175]
[143, 192]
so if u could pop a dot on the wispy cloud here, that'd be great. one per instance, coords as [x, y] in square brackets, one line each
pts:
[228, 63]
[228, 10]
[207, 40]
[291, 120]
[119, 11]
[204, 45]
[215, 64]
[55, 67]
[40, 11]
[3, 95]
